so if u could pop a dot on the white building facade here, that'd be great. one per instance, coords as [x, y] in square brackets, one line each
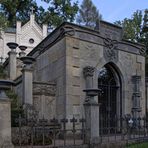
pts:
[30, 35]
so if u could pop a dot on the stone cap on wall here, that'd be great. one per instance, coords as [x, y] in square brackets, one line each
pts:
[106, 31]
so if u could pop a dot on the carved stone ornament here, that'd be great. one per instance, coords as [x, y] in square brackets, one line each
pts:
[88, 71]
[142, 52]
[44, 89]
[67, 30]
[110, 50]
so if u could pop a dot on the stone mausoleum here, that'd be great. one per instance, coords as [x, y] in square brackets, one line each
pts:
[63, 61]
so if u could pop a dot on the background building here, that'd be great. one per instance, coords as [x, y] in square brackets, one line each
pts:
[29, 34]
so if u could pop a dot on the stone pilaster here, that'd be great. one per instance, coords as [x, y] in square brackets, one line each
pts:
[136, 96]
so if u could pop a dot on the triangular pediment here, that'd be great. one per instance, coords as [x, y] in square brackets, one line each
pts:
[35, 26]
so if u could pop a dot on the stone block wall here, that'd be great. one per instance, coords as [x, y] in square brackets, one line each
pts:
[70, 48]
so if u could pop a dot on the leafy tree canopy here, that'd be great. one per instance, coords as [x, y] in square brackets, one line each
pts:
[133, 28]
[58, 11]
[133, 31]
[88, 14]
[3, 23]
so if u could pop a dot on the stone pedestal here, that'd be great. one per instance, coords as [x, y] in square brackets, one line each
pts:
[92, 122]
[12, 60]
[5, 124]
[27, 80]
[5, 115]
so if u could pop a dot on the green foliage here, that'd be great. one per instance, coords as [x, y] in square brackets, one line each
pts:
[88, 14]
[138, 145]
[3, 74]
[58, 11]
[16, 110]
[133, 28]
[3, 21]
[16, 9]
[133, 31]
[14, 99]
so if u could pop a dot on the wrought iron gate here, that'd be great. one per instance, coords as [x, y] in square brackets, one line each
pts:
[110, 100]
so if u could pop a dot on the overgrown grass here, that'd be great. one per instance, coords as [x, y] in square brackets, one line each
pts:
[138, 145]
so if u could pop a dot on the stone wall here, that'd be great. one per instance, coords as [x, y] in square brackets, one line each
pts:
[62, 56]
[50, 66]
[44, 99]
[88, 49]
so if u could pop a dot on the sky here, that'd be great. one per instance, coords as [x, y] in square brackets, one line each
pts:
[113, 10]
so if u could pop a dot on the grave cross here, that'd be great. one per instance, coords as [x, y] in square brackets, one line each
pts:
[73, 121]
[64, 121]
[20, 121]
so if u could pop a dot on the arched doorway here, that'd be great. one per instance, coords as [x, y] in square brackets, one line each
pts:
[110, 100]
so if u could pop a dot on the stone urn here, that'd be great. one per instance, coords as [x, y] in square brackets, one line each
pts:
[28, 60]
[22, 53]
[12, 45]
[22, 48]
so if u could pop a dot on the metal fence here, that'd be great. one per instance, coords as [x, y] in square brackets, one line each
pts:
[53, 133]
[124, 130]
[72, 132]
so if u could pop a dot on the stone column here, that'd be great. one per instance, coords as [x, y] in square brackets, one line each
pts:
[27, 73]
[91, 109]
[5, 115]
[12, 60]
[136, 96]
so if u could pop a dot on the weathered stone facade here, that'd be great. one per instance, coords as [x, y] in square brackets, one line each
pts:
[62, 56]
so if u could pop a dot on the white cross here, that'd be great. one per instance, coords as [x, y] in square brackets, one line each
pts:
[32, 9]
